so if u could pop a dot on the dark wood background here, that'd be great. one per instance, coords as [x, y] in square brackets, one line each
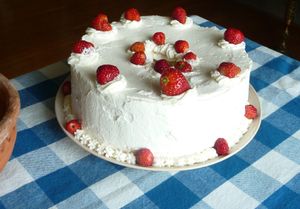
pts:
[34, 34]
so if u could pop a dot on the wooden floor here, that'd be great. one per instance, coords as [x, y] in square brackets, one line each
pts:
[36, 33]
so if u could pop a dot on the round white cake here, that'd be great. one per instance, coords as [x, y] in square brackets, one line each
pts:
[131, 112]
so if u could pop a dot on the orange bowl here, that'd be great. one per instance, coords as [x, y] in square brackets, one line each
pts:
[9, 112]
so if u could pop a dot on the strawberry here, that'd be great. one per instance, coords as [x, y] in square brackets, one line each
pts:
[173, 82]
[106, 73]
[137, 47]
[229, 69]
[159, 38]
[190, 56]
[80, 46]
[100, 24]
[102, 17]
[132, 14]
[138, 58]
[144, 157]
[234, 36]
[250, 112]
[179, 14]
[161, 65]
[72, 126]
[181, 46]
[66, 88]
[183, 66]
[221, 146]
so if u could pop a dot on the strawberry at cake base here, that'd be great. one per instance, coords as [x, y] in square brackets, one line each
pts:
[131, 112]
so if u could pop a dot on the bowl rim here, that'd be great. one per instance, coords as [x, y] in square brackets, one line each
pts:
[13, 108]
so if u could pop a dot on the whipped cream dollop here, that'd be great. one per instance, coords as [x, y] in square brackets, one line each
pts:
[194, 62]
[100, 37]
[221, 79]
[226, 45]
[130, 23]
[176, 24]
[116, 85]
[166, 51]
[88, 57]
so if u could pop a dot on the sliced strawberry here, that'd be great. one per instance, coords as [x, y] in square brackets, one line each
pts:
[179, 14]
[132, 14]
[183, 66]
[66, 88]
[221, 146]
[181, 46]
[173, 82]
[72, 126]
[137, 47]
[229, 69]
[106, 73]
[159, 38]
[81, 46]
[234, 36]
[250, 112]
[161, 65]
[144, 157]
[138, 58]
[190, 56]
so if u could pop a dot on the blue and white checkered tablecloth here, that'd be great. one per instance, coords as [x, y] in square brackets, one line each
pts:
[48, 170]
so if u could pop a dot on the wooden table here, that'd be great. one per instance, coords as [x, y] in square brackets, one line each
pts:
[35, 33]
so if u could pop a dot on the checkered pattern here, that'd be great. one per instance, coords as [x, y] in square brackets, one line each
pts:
[48, 170]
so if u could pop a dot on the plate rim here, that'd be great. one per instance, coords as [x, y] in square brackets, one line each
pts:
[241, 144]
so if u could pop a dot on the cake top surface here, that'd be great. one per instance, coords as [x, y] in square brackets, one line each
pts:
[142, 81]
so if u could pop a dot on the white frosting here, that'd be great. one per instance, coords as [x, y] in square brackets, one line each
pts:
[226, 45]
[188, 24]
[103, 149]
[138, 115]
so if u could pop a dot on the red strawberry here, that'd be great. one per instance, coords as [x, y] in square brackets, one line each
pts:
[229, 69]
[102, 17]
[234, 36]
[144, 157]
[81, 45]
[72, 126]
[173, 82]
[100, 24]
[179, 14]
[183, 66]
[132, 14]
[161, 65]
[250, 112]
[137, 47]
[190, 56]
[106, 73]
[159, 38]
[181, 46]
[138, 58]
[66, 88]
[221, 146]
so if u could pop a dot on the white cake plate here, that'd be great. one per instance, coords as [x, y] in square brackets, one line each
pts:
[246, 138]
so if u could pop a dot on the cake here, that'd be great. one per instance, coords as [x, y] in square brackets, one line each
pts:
[129, 109]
